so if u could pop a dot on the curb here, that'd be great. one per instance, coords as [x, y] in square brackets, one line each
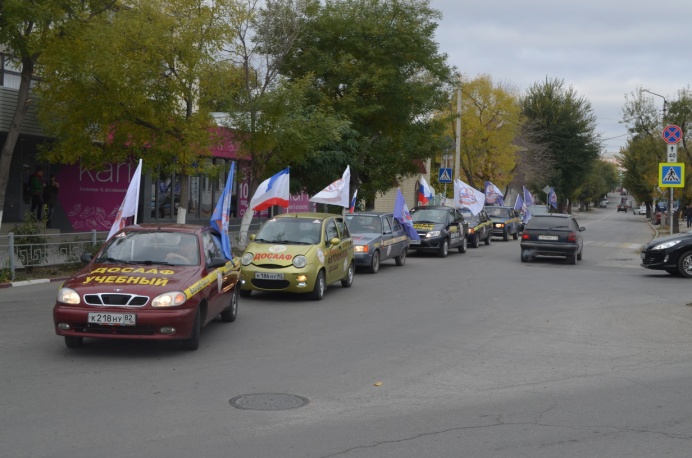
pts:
[31, 282]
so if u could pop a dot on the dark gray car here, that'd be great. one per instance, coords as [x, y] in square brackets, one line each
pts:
[552, 235]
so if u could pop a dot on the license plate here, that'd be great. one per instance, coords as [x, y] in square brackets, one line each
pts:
[268, 276]
[547, 237]
[415, 242]
[113, 319]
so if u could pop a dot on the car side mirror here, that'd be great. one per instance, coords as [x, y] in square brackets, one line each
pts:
[252, 237]
[335, 241]
[387, 232]
[86, 257]
[582, 228]
[216, 262]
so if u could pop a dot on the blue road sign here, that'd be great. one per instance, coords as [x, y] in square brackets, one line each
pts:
[671, 175]
[445, 175]
[672, 134]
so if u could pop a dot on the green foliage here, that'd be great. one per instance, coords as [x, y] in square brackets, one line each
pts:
[377, 65]
[567, 125]
[29, 241]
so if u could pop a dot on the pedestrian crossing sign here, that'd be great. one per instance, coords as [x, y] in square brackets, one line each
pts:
[445, 175]
[671, 174]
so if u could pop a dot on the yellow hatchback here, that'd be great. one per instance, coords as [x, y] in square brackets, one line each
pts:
[298, 253]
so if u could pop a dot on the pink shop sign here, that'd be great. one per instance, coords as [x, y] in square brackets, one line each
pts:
[91, 199]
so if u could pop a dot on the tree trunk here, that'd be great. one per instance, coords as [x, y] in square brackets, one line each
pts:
[13, 134]
[184, 198]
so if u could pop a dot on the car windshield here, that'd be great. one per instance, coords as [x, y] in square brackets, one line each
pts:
[138, 247]
[364, 224]
[296, 231]
[425, 215]
[498, 212]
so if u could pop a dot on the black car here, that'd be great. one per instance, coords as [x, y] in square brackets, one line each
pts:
[505, 221]
[440, 228]
[480, 227]
[672, 253]
[552, 235]
[377, 237]
[622, 207]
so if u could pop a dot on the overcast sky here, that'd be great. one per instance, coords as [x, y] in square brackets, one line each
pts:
[603, 49]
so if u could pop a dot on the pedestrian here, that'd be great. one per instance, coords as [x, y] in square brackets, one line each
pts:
[50, 197]
[688, 214]
[36, 186]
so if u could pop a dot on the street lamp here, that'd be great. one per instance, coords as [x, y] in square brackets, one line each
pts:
[670, 202]
[665, 102]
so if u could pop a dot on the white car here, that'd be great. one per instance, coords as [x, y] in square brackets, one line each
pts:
[641, 210]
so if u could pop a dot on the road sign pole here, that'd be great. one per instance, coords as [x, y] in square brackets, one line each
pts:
[670, 212]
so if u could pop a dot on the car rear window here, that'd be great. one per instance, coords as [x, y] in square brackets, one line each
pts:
[548, 222]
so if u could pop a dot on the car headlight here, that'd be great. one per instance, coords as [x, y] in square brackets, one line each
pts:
[499, 225]
[169, 299]
[665, 245]
[68, 296]
[300, 261]
[247, 258]
[361, 248]
[433, 234]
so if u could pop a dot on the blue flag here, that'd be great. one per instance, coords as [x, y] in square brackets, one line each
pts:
[221, 215]
[552, 198]
[528, 198]
[402, 214]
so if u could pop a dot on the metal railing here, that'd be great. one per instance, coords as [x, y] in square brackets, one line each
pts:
[41, 250]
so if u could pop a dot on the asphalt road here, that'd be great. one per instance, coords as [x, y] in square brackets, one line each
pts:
[474, 355]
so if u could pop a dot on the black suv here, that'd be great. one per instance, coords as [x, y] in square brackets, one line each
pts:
[440, 228]
[480, 227]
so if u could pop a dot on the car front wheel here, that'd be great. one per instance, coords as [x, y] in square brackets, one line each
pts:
[444, 249]
[487, 241]
[348, 281]
[73, 342]
[375, 263]
[401, 259]
[192, 343]
[318, 292]
[685, 264]
[231, 313]
[464, 245]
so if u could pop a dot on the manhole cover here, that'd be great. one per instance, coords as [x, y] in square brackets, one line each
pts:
[268, 401]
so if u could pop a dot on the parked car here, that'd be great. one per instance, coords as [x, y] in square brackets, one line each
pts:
[440, 228]
[603, 204]
[377, 237]
[149, 281]
[505, 221]
[298, 253]
[672, 253]
[640, 210]
[552, 235]
[622, 207]
[480, 227]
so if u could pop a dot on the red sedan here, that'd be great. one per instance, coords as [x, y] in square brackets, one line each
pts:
[151, 281]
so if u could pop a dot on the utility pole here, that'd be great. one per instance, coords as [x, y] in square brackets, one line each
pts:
[457, 156]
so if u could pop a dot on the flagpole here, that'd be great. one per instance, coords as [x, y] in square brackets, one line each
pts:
[134, 221]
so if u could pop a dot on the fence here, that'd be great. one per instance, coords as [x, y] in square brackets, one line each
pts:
[36, 250]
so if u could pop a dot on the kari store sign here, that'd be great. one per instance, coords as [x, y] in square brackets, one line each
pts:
[91, 199]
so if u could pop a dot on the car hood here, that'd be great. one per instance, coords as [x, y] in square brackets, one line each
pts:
[668, 238]
[141, 279]
[428, 226]
[364, 238]
[279, 254]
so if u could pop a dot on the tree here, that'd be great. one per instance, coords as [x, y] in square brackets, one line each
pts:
[26, 28]
[490, 123]
[567, 125]
[377, 65]
[128, 85]
[275, 121]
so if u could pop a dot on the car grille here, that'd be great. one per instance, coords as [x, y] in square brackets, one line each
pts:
[270, 284]
[118, 330]
[118, 300]
[651, 258]
[272, 266]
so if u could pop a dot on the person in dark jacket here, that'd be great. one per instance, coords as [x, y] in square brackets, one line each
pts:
[50, 197]
[688, 214]
[36, 186]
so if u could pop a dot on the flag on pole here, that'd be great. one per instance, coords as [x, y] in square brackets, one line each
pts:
[425, 192]
[402, 214]
[336, 193]
[518, 204]
[466, 196]
[129, 206]
[528, 198]
[272, 191]
[222, 213]
[352, 208]
[552, 198]
[493, 194]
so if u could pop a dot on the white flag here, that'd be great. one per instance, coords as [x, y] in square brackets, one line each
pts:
[336, 193]
[129, 206]
[466, 196]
